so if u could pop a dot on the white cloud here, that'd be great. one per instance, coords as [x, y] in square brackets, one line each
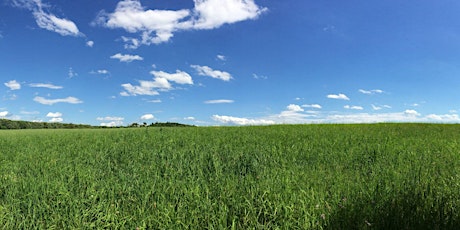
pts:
[294, 108]
[372, 91]
[212, 14]
[207, 71]
[131, 16]
[220, 101]
[111, 121]
[221, 57]
[56, 119]
[48, 21]
[109, 118]
[72, 73]
[375, 107]
[159, 83]
[255, 76]
[155, 101]
[145, 88]
[189, 118]
[179, 77]
[158, 26]
[314, 106]
[354, 107]
[43, 85]
[13, 85]
[241, 121]
[339, 96]
[102, 71]
[4, 114]
[443, 118]
[126, 57]
[54, 115]
[90, 43]
[70, 100]
[147, 117]
[111, 124]
[411, 112]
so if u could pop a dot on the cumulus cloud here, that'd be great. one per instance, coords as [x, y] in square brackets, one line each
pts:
[4, 114]
[70, 100]
[43, 85]
[179, 77]
[13, 85]
[147, 117]
[48, 21]
[241, 121]
[354, 107]
[373, 91]
[207, 71]
[56, 119]
[339, 96]
[294, 108]
[210, 14]
[90, 43]
[157, 26]
[56, 114]
[161, 82]
[411, 112]
[219, 101]
[126, 57]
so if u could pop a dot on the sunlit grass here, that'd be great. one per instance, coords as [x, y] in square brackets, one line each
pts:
[380, 176]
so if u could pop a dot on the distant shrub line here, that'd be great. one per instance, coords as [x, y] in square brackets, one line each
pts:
[11, 124]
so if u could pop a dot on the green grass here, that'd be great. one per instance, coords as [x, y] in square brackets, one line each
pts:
[379, 176]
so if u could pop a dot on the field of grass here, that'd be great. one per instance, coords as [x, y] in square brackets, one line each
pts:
[379, 176]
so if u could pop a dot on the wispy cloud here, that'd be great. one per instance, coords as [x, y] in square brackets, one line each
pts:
[259, 77]
[43, 85]
[339, 96]
[13, 85]
[70, 100]
[354, 107]
[71, 74]
[207, 71]
[221, 57]
[314, 106]
[48, 21]
[379, 107]
[372, 91]
[126, 57]
[219, 101]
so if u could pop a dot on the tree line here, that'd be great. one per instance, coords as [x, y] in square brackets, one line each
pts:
[13, 124]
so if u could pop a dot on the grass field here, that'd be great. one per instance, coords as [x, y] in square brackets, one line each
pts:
[379, 176]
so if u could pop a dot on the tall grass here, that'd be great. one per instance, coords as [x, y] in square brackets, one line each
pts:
[380, 176]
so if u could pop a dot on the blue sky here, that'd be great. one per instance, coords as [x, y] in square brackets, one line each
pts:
[229, 62]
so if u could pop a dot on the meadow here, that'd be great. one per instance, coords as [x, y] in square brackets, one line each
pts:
[328, 176]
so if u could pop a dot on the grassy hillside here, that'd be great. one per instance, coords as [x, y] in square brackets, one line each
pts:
[379, 176]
